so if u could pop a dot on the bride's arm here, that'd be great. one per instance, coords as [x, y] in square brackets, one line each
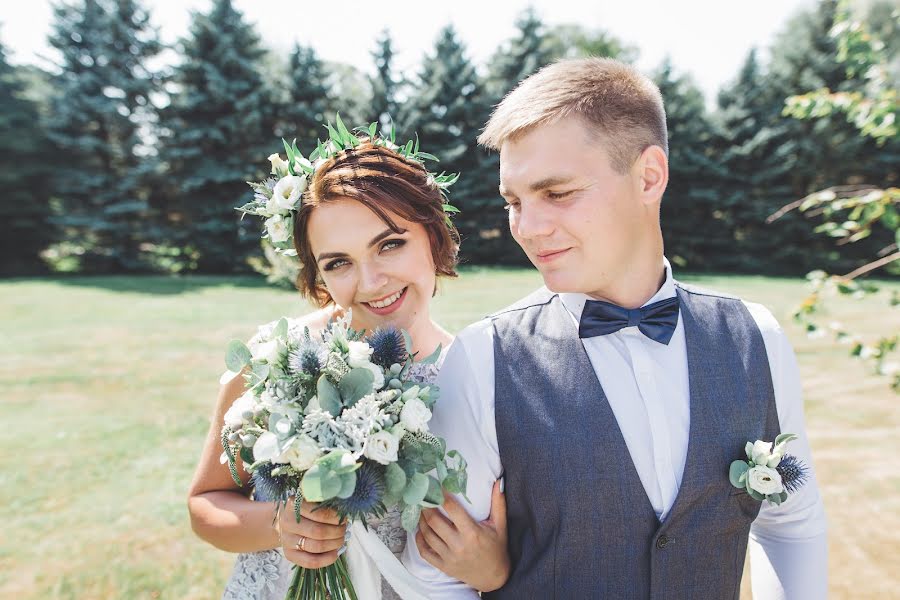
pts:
[221, 512]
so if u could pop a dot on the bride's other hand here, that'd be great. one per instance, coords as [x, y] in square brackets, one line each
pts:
[319, 533]
[473, 552]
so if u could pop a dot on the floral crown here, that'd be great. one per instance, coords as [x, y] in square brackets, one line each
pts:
[277, 198]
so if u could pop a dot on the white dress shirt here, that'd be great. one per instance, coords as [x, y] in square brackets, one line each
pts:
[646, 384]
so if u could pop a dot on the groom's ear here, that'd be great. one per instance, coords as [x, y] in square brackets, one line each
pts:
[651, 174]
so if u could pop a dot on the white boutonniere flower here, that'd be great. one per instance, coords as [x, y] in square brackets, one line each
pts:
[768, 473]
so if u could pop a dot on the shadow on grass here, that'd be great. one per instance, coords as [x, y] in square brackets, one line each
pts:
[152, 284]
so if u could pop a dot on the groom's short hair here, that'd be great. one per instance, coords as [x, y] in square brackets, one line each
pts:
[620, 104]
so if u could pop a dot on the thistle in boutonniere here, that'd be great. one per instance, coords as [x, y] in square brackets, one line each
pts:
[768, 473]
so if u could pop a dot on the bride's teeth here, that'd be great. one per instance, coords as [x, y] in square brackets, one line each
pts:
[387, 301]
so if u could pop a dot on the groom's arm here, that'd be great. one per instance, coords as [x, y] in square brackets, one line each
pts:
[788, 543]
[464, 417]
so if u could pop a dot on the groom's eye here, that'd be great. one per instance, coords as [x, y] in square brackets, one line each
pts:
[557, 195]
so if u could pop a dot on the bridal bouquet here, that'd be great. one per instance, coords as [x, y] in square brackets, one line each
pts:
[335, 419]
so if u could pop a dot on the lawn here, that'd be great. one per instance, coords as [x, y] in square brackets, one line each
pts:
[111, 381]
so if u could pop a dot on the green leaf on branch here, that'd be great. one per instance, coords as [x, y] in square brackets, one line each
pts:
[237, 356]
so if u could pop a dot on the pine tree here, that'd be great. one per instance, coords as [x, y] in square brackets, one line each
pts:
[384, 85]
[690, 197]
[309, 100]
[25, 173]
[217, 134]
[447, 108]
[98, 117]
[519, 57]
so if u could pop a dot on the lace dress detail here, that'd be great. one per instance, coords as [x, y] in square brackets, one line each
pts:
[267, 575]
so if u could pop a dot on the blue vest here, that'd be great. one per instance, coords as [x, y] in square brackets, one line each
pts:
[580, 523]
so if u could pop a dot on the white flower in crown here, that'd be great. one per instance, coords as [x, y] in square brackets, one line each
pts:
[279, 166]
[287, 192]
[279, 228]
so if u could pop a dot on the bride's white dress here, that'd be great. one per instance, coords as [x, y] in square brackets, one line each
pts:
[267, 575]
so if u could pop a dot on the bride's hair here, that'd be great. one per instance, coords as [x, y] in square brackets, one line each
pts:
[387, 184]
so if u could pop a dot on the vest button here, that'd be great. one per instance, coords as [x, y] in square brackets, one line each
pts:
[663, 541]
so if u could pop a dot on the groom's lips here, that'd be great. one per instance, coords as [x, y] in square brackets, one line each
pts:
[548, 256]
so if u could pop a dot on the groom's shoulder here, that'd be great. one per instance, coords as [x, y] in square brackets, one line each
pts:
[540, 297]
[762, 316]
[697, 290]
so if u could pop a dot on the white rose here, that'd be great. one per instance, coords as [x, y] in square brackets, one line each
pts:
[266, 446]
[765, 480]
[287, 192]
[269, 352]
[359, 355]
[377, 376]
[279, 228]
[382, 448]
[234, 415]
[279, 166]
[415, 415]
[761, 452]
[302, 453]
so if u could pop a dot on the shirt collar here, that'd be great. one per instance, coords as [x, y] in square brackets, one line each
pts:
[574, 302]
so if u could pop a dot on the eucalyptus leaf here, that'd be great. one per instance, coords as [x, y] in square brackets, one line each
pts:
[409, 518]
[329, 396]
[281, 329]
[319, 484]
[435, 495]
[354, 385]
[416, 489]
[736, 471]
[348, 485]
[785, 438]
[754, 494]
[237, 356]
[339, 462]
[395, 479]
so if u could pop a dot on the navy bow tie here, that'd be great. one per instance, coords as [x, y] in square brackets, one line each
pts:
[657, 321]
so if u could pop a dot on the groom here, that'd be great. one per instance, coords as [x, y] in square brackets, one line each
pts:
[613, 400]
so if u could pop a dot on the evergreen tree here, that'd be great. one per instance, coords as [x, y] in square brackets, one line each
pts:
[217, 134]
[25, 172]
[447, 108]
[309, 100]
[690, 197]
[97, 120]
[519, 57]
[771, 160]
[384, 86]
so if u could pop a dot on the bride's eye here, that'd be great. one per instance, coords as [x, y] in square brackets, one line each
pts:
[392, 244]
[339, 262]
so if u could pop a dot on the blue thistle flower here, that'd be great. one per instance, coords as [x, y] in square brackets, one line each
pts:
[306, 358]
[793, 473]
[388, 347]
[268, 487]
[367, 497]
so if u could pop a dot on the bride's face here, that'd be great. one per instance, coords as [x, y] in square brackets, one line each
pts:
[383, 276]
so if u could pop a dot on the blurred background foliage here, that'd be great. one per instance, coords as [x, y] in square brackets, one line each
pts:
[110, 166]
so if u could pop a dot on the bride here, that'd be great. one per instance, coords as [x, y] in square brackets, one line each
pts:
[372, 238]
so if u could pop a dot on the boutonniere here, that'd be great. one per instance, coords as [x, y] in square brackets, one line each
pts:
[768, 473]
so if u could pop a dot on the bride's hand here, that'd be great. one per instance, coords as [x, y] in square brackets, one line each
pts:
[475, 553]
[319, 533]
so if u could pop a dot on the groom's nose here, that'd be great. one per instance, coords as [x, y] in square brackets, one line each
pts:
[532, 221]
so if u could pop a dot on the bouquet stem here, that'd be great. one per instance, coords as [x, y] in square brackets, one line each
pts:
[328, 583]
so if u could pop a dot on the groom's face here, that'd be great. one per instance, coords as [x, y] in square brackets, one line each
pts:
[578, 220]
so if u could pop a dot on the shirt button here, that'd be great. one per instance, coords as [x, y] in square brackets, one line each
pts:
[663, 541]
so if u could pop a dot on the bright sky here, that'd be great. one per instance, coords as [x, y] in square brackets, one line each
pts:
[707, 39]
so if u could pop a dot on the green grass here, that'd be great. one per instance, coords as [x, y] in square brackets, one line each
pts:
[109, 384]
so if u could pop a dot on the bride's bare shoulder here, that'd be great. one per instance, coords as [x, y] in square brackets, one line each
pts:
[316, 321]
